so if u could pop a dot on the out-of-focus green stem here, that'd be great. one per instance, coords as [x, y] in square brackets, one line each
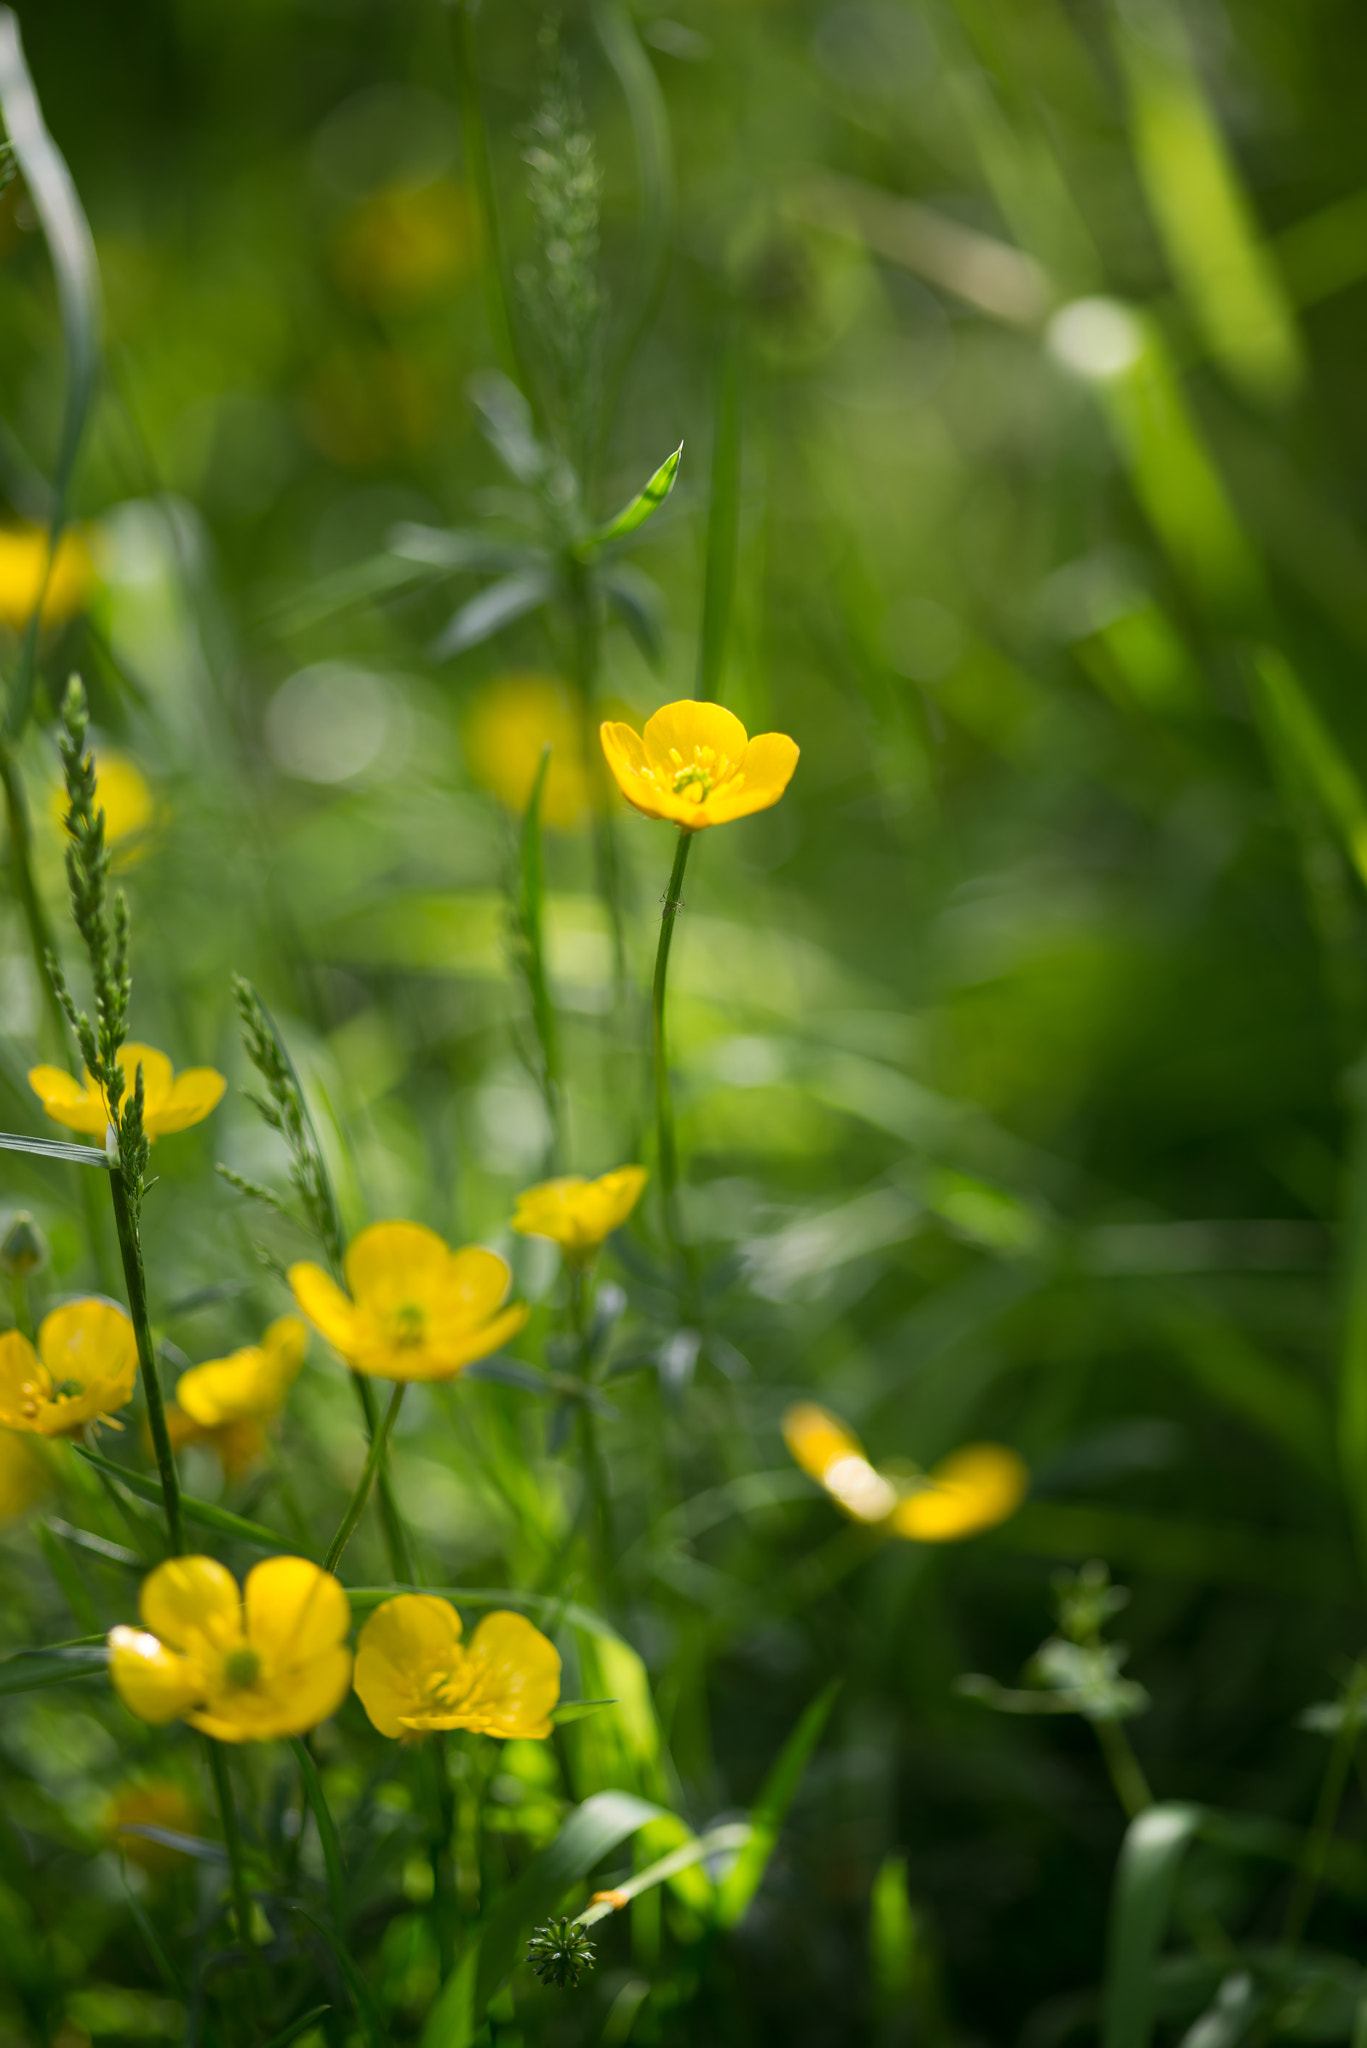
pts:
[595, 1475]
[583, 604]
[664, 1103]
[232, 1842]
[1127, 1776]
[443, 1858]
[356, 1507]
[1335, 1782]
[135, 1282]
[327, 1831]
[396, 1536]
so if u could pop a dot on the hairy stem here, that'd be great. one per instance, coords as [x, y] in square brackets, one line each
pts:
[356, 1507]
[136, 1283]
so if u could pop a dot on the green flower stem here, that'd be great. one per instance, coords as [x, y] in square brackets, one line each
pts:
[595, 1474]
[433, 1751]
[396, 1536]
[232, 1842]
[327, 1831]
[1127, 1776]
[664, 1106]
[136, 1283]
[373, 1461]
[1335, 1782]
[583, 605]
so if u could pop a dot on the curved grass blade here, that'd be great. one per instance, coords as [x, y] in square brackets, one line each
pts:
[530, 952]
[1141, 1906]
[72, 250]
[654, 164]
[53, 1148]
[202, 1511]
[643, 506]
[720, 1841]
[771, 1809]
[298, 2027]
[509, 599]
[33, 1674]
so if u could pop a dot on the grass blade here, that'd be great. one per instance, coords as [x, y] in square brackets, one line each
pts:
[327, 1830]
[654, 164]
[53, 1148]
[731, 1835]
[297, 2027]
[202, 1511]
[367, 2011]
[771, 1808]
[531, 956]
[498, 606]
[1141, 1905]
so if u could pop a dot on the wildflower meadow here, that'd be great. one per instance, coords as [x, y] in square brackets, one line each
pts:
[683, 1002]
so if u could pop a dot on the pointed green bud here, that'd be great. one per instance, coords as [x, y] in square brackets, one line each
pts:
[23, 1248]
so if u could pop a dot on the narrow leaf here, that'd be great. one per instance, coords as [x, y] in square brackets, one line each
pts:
[298, 2027]
[491, 611]
[1297, 731]
[731, 1836]
[638, 604]
[506, 420]
[442, 547]
[36, 1673]
[202, 1511]
[327, 1830]
[1141, 1905]
[575, 1710]
[53, 1148]
[642, 507]
[771, 1809]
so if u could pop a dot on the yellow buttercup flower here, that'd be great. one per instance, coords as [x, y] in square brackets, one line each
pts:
[160, 1803]
[121, 792]
[84, 1368]
[172, 1102]
[23, 559]
[251, 1384]
[973, 1489]
[508, 727]
[23, 1477]
[413, 1672]
[696, 765]
[417, 1310]
[243, 1667]
[577, 1213]
[236, 1445]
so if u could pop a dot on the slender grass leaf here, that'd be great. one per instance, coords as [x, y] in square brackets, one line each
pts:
[37, 1673]
[654, 166]
[533, 1379]
[360, 583]
[202, 1511]
[298, 2027]
[505, 419]
[53, 1148]
[1141, 1907]
[170, 1838]
[732, 1836]
[367, 2011]
[530, 948]
[638, 604]
[451, 2022]
[642, 507]
[771, 1808]
[576, 1710]
[441, 547]
[1297, 732]
[491, 611]
[327, 1830]
[100, 1546]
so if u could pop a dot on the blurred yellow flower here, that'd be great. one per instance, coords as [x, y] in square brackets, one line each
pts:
[171, 1103]
[23, 1477]
[251, 1384]
[577, 1213]
[121, 792]
[413, 1672]
[23, 560]
[405, 244]
[973, 1489]
[236, 1445]
[509, 725]
[159, 1803]
[245, 1667]
[417, 1310]
[84, 1368]
[695, 765]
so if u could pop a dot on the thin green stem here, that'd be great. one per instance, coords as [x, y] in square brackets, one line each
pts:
[327, 1831]
[135, 1281]
[666, 1144]
[1127, 1776]
[583, 604]
[232, 1842]
[1332, 1788]
[356, 1507]
[531, 923]
[443, 1832]
[396, 1536]
[595, 1473]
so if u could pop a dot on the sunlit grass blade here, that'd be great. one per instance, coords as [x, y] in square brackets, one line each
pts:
[731, 1837]
[1141, 1906]
[72, 250]
[53, 1148]
[202, 1511]
[770, 1810]
[643, 506]
[303, 2025]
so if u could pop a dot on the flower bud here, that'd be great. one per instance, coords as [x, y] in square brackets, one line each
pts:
[23, 1248]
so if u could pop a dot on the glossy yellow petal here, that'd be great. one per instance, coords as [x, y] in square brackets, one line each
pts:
[191, 1097]
[475, 1283]
[326, 1307]
[154, 1683]
[227, 1389]
[393, 1265]
[406, 1642]
[24, 1478]
[24, 1386]
[285, 1344]
[816, 1438]
[577, 1214]
[77, 1106]
[191, 1603]
[295, 1611]
[971, 1490]
[23, 563]
[91, 1342]
[768, 768]
[289, 1701]
[519, 1680]
[677, 733]
[443, 1357]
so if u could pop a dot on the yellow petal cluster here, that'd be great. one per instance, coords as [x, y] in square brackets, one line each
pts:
[973, 1489]
[243, 1667]
[157, 1803]
[23, 1477]
[577, 1213]
[83, 1368]
[414, 1673]
[23, 561]
[172, 1102]
[511, 722]
[416, 1310]
[695, 765]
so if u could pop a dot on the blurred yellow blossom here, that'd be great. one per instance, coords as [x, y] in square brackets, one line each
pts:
[413, 1672]
[695, 765]
[245, 1667]
[236, 1445]
[23, 560]
[402, 246]
[121, 792]
[172, 1102]
[23, 1477]
[159, 1803]
[83, 1368]
[511, 722]
[973, 1489]
[577, 1213]
[224, 1402]
[417, 1310]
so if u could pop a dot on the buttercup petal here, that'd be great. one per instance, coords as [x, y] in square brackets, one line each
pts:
[684, 727]
[156, 1077]
[326, 1307]
[78, 1107]
[284, 1344]
[191, 1097]
[443, 1357]
[24, 1478]
[523, 1675]
[191, 1602]
[475, 1283]
[770, 762]
[227, 1389]
[406, 1640]
[295, 1610]
[151, 1681]
[392, 1264]
[286, 1703]
[20, 1374]
[971, 1490]
[817, 1439]
[92, 1343]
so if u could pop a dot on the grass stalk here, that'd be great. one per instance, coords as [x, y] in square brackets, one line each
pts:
[1126, 1772]
[356, 1506]
[604, 1541]
[135, 1280]
[531, 934]
[666, 1143]
[396, 1535]
[1332, 1788]
[232, 1842]
[479, 168]
[723, 517]
[327, 1831]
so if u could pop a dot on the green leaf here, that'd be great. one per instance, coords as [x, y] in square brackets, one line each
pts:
[446, 547]
[33, 1674]
[732, 1835]
[1300, 736]
[575, 1710]
[367, 2011]
[202, 1511]
[297, 2027]
[771, 1808]
[498, 606]
[1141, 1906]
[638, 604]
[53, 1148]
[642, 507]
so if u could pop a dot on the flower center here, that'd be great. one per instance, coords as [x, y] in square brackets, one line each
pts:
[696, 779]
[694, 782]
[66, 1390]
[241, 1667]
[410, 1326]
